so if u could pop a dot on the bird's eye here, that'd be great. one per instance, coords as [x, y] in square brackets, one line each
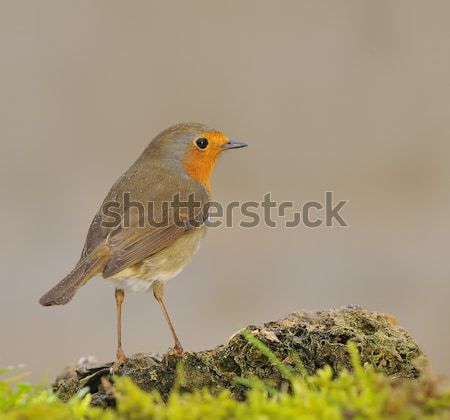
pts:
[201, 143]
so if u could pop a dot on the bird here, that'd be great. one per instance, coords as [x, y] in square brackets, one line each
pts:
[138, 240]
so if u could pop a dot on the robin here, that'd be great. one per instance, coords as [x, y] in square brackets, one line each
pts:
[137, 252]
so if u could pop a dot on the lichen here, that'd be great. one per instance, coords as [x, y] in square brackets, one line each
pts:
[357, 394]
[316, 339]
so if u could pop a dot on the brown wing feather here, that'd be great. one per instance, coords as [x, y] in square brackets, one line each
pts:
[131, 246]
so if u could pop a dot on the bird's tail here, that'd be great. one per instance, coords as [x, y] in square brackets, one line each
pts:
[86, 268]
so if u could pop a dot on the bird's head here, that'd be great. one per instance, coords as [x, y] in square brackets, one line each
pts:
[196, 147]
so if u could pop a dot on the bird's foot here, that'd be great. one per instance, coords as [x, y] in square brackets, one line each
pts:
[176, 351]
[121, 359]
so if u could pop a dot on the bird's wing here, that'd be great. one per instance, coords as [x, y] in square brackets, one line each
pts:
[139, 240]
[133, 245]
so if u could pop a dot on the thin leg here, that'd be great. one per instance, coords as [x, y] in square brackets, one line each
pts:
[120, 296]
[158, 292]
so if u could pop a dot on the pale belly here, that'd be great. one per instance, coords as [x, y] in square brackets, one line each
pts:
[162, 266]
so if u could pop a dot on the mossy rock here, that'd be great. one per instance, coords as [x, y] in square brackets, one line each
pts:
[315, 338]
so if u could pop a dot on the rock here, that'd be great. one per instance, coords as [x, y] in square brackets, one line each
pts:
[316, 338]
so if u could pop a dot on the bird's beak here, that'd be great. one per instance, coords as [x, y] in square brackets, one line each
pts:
[233, 145]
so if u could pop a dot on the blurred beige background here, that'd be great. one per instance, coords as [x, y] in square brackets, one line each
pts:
[352, 97]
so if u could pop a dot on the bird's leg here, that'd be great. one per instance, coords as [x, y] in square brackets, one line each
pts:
[120, 355]
[158, 292]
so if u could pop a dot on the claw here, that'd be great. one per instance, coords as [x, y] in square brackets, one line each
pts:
[120, 361]
[176, 351]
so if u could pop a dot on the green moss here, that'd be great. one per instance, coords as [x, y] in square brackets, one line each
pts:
[360, 393]
[316, 339]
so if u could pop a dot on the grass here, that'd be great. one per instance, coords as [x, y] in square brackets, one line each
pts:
[358, 394]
